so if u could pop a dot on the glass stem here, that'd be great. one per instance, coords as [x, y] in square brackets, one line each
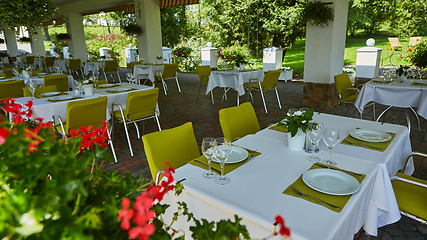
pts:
[210, 167]
[222, 171]
[330, 155]
[314, 148]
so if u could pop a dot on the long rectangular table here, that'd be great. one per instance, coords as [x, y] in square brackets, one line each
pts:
[46, 109]
[255, 191]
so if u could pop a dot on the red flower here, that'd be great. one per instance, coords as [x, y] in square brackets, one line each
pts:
[125, 214]
[284, 231]
[98, 136]
[143, 232]
[4, 133]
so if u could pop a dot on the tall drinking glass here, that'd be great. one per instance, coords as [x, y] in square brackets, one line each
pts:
[314, 133]
[208, 145]
[32, 87]
[331, 138]
[222, 151]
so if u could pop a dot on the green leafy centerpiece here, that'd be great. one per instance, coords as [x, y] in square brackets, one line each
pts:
[297, 123]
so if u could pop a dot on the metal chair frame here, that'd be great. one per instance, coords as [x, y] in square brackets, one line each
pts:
[261, 90]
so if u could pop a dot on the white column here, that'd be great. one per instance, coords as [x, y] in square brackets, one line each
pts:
[76, 44]
[37, 43]
[12, 46]
[147, 14]
[324, 46]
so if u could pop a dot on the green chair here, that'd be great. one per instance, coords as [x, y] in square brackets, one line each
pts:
[177, 146]
[11, 89]
[411, 193]
[237, 122]
[269, 83]
[49, 63]
[89, 112]
[8, 73]
[140, 106]
[110, 68]
[75, 65]
[29, 60]
[204, 73]
[39, 90]
[169, 72]
[60, 81]
[347, 93]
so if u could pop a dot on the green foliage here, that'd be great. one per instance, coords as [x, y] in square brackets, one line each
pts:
[372, 13]
[181, 55]
[236, 53]
[50, 194]
[28, 13]
[297, 121]
[174, 25]
[409, 18]
[62, 36]
[25, 40]
[132, 29]
[356, 17]
[417, 55]
[318, 13]
[224, 230]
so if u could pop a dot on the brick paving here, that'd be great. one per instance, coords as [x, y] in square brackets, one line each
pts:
[178, 108]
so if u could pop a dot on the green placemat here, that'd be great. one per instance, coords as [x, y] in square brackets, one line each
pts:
[227, 167]
[114, 91]
[62, 93]
[275, 127]
[376, 146]
[419, 84]
[115, 85]
[53, 100]
[339, 201]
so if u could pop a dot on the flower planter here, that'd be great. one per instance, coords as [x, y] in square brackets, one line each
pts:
[297, 142]
[88, 89]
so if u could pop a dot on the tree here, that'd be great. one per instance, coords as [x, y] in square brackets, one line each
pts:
[174, 25]
[409, 18]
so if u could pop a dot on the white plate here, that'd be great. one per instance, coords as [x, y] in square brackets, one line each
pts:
[331, 181]
[63, 98]
[237, 155]
[6, 80]
[122, 89]
[382, 80]
[422, 82]
[50, 94]
[369, 135]
[41, 74]
[106, 85]
[2, 77]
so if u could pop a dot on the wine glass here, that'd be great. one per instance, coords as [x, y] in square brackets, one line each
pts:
[222, 151]
[32, 87]
[291, 111]
[129, 77]
[208, 145]
[57, 69]
[314, 133]
[15, 72]
[331, 138]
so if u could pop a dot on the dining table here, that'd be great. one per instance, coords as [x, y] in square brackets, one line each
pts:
[390, 92]
[93, 66]
[61, 64]
[231, 79]
[149, 70]
[38, 79]
[260, 187]
[49, 107]
[39, 62]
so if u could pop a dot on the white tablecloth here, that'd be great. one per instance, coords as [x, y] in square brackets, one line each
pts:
[39, 62]
[39, 81]
[148, 69]
[62, 64]
[20, 60]
[394, 94]
[233, 79]
[93, 67]
[46, 110]
[255, 191]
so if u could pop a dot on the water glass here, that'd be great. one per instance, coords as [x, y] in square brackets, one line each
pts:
[222, 152]
[208, 145]
[32, 87]
[331, 138]
[314, 133]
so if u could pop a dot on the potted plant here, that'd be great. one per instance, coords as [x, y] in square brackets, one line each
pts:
[297, 124]
[402, 73]
[236, 53]
[318, 13]
[159, 59]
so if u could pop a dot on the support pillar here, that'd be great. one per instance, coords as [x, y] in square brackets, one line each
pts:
[147, 14]
[77, 43]
[37, 43]
[10, 38]
[324, 58]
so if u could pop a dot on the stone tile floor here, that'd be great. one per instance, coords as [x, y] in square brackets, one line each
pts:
[178, 108]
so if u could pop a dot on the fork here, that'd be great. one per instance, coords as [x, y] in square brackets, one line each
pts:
[362, 145]
[297, 192]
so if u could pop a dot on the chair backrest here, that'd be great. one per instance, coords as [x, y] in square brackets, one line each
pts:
[49, 61]
[394, 42]
[132, 64]
[39, 90]
[270, 79]
[141, 104]
[37, 71]
[239, 121]
[60, 81]
[111, 66]
[12, 60]
[102, 81]
[169, 70]
[342, 81]
[177, 146]
[29, 59]
[8, 72]
[414, 41]
[2, 75]
[204, 73]
[74, 63]
[11, 89]
[86, 112]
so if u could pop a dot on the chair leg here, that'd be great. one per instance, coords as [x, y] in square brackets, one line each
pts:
[278, 99]
[418, 119]
[177, 83]
[165, 87]
[118, 76]
[212, 96]
[112, 146]
[373, 108]
[105, 77]
[262, 96]
[127, 136]
[137, 130]
[158, 123]
[336, 107]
